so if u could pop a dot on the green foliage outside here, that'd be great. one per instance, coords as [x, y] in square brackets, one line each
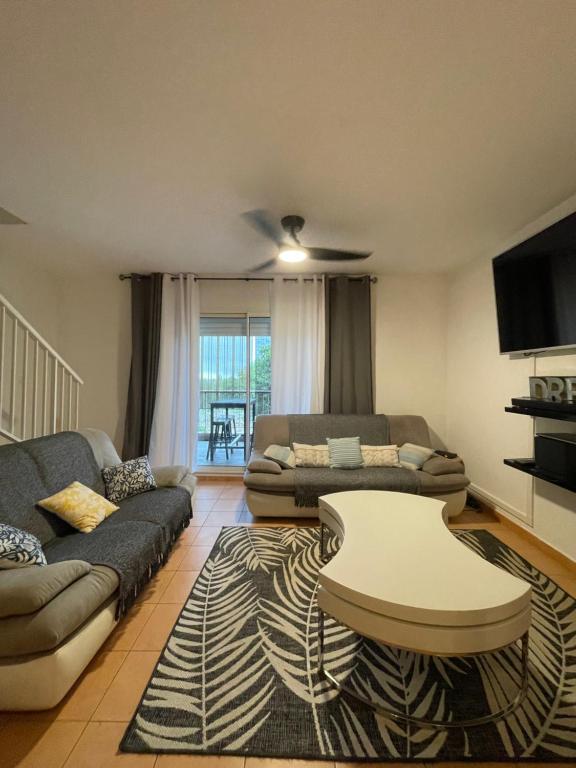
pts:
[261, 371]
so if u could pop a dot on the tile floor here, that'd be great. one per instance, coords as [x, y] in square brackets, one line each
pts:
[85, 729]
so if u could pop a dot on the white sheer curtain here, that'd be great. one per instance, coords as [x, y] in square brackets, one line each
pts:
[175, 424]
[298, 340]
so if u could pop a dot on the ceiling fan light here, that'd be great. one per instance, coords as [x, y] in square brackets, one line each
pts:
[292, 253]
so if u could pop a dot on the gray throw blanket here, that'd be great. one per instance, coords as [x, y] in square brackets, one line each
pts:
[313, 429]
[310, 483]
[134, 550]
[135, 541]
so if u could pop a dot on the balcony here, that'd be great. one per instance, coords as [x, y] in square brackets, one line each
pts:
[261, 398]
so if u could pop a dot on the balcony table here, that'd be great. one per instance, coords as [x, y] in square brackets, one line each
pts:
[240, 404]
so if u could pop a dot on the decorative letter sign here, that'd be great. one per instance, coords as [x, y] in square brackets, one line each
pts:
[555, 388]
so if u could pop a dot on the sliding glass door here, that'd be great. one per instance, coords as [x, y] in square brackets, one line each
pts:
[235, 373]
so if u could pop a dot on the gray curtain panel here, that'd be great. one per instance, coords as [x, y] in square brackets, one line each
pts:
[146, 319]
[348, 379]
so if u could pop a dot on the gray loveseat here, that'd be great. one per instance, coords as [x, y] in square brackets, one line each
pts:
[271, 493]
[54, 618]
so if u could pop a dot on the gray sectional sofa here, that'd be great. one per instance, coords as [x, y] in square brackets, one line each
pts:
[54, 618]
[271, 493]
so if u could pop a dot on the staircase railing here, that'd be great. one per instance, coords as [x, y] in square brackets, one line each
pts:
[39, 391]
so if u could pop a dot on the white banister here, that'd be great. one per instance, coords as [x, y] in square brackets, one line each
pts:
[14, 366]
[38, 408]
[2, 335]
[35, 395]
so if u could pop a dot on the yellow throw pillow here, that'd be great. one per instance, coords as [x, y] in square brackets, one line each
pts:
[79, 506]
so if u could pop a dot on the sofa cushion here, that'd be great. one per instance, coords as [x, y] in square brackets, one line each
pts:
[19, 549]
[270, 430]
[18, 500]
[60, 617]
[168, 508]
[409, 429]
[128, 479]
[26, 590]
[259, 463]
[170, 476]
[79, 506]
[102, 447]
[63, 458]
[260, 481]
[134, 549]
[432, 484]
[439, 465]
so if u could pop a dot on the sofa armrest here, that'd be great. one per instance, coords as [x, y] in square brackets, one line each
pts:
[439, 465]
[24, 591]
[176, 476]
[259, 463]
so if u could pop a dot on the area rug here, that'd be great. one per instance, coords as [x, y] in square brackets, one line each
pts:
[238, 674]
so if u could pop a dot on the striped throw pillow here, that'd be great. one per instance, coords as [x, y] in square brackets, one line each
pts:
[345, 453]
[413, 456]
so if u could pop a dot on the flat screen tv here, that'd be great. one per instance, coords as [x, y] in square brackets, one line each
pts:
[535, 284]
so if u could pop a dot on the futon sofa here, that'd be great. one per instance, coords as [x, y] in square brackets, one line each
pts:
[54, 618]
[272, 493]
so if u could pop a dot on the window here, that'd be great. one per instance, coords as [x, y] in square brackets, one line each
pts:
[235, 373]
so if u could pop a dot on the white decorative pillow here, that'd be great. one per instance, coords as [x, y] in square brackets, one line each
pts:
[311, 455]
[380, 455]
[413, 456]
[282, 455]
[128, 479]
[19, 549]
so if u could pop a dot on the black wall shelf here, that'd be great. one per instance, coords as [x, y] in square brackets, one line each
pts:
[529, 467]
[545, 409]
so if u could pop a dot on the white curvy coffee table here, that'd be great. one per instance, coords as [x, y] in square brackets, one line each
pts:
[401, 578]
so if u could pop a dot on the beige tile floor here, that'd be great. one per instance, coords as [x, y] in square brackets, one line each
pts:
[85, 729]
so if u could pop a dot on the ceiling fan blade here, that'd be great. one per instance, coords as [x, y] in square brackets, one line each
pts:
[265, 224]
[264, 265]
[9, 218]
[330, 254]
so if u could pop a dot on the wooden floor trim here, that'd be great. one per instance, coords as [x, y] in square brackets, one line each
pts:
[528, 535]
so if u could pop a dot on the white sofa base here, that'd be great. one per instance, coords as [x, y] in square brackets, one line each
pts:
[262, 504]
[41, 681]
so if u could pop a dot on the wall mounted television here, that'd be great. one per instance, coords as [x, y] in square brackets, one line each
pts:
[535, 285]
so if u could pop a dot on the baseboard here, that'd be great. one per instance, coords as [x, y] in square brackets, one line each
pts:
[503, 513]
[548, 549]
[494, 503]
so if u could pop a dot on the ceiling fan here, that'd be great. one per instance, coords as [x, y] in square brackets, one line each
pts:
[290, 249]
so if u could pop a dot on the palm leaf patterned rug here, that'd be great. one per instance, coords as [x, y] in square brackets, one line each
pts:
[238, 675]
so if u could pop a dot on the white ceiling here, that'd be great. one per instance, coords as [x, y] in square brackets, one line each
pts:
[428, 132]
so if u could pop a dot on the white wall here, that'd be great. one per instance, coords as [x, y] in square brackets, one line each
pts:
[481, 382]
[231, 296]
[409, 321]
[409, 326]
[84, 314]
[95, 340]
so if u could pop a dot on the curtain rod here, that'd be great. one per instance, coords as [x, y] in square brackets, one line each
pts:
[136, 275]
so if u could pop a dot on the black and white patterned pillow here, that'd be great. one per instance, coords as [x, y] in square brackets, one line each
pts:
[128, 479]
[19, 549]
